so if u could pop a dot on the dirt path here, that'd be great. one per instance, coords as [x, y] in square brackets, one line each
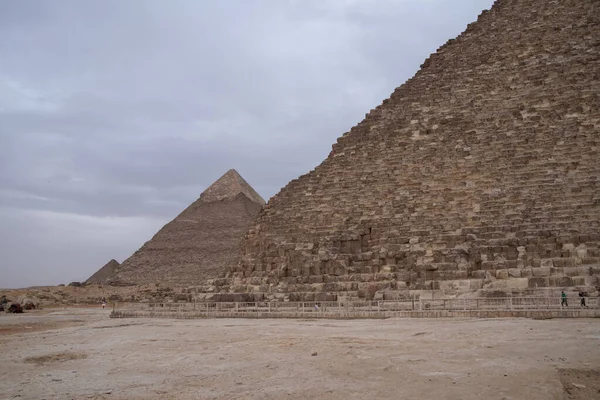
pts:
[100, 358]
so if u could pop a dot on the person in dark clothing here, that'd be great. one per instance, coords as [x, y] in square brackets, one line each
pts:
[563, 299]
[582, 298]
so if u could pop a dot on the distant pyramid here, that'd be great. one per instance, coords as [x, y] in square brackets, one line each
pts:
[104, 273]
[201, 242]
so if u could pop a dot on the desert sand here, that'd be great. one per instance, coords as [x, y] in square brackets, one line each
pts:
[80, 353]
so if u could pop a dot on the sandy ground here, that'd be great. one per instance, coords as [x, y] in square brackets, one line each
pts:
[82, 354]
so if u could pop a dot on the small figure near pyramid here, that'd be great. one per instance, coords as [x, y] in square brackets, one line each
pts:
[200, 243]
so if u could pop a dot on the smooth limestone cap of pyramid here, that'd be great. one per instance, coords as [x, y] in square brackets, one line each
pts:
[228, 186]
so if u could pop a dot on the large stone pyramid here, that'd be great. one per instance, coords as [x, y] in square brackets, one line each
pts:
[201, 242]
[478, 175]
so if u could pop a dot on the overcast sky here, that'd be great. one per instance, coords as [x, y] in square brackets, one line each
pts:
[115, 115]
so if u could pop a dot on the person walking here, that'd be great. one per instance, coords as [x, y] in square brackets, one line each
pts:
[582, 296]
[563, 299]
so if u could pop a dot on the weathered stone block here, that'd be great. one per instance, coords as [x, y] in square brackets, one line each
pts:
[560, 281]
[501, 274]
[538, 282]
[475, 284]
[546, 263]
[542, 271]
[480, 274]
[514, 273]
[518, 283]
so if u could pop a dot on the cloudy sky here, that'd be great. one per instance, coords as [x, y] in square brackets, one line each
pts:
[115, 115]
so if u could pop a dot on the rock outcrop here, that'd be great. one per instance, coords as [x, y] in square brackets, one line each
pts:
[481, 173]
[201, 242]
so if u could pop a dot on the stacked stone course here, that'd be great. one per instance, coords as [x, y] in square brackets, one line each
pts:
[478, 175]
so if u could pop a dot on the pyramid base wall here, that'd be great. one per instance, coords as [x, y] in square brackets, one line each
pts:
[421, 268]
[340, 288]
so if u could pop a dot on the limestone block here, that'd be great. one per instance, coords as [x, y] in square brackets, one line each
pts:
[308, 296]
[387, 269]
[560, 281]
[511, 253]
[254, 289]
[384, 276]
[401, 285]
[475, 284]
[488, 265]
[499, 284]
[480, 274]
[514, 273]
[584, 270]
[518, 283]
[461, 274]
[434, 285]
[593, 282]
[546, 263]
[240, 289]
[391, 295]
[578, 280]
[236, 282]
[501, 274]
[462, 285]
[326, 297]
[542, 271]
[447, 286]
[590, 260]
[324, 255]
[538, 282]
[593, 252]
[581, 251]
[330, 287]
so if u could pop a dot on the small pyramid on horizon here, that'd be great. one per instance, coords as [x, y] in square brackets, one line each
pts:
[104, 273]
[201, 242]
